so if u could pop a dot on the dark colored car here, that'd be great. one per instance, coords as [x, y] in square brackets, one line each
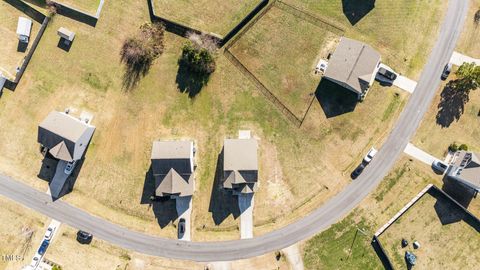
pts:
[357, 171]
[446, 71]
[43, 247]
[387, 73]
[181, 227]
[84, 237]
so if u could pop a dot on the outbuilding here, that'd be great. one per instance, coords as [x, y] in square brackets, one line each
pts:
[66, 35]
[24, 28]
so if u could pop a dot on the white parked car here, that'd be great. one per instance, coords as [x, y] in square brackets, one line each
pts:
[49, 233]
[70, 166]
[370, 155]
[35, 261]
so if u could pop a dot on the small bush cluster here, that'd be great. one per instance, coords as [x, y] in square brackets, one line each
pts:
[198, 54]
[454, 147]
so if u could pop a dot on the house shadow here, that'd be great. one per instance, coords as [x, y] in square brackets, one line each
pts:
[22, 46]
[334, 99]
[458, 191]
[447, 211]
[356, 10]
[164, 208]
[452, 103]
[190, 82]
[64, 45]
[222, 202]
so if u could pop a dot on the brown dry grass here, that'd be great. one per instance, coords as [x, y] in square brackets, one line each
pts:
[470, 38]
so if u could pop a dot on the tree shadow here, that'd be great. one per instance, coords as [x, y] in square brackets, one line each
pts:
[164, 208]
[355, 10]
[134, 71]
[190, 82]
[453, 98]
[222, 202]
[334, 99]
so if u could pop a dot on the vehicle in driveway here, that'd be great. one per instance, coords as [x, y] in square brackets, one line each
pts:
[387, 74]
[446, 71]
[70, 166]
[357, 171]
[181, 227]
[439, 166]
[49, 233]
[84, 237]
[371, 153]
[43, 247]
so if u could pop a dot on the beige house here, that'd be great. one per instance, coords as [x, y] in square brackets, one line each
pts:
[353, 65]
[173, 166]
[465, 168]
[240, 165]
[64, 136]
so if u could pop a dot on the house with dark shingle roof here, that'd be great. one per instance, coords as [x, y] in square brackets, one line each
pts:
[64, 136]
[353, 65]
[465, 168]
[173, 166]
[240, 165]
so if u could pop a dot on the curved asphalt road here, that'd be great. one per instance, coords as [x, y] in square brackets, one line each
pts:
[315, 222]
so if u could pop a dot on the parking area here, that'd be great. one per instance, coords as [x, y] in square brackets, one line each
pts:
[38, 261]
[12, 51]
[401, 82]
[184, 211]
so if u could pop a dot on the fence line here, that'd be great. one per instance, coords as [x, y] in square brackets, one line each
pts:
[321, 22]
[28, 10]
[377, 246]
[283, 109]
[77, 14]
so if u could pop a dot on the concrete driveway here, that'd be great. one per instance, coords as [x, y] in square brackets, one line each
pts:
[458, 59]
[419, 154]
[401, 82]
[245, 204]
[59, 179]
[184, 210]
[37, 258]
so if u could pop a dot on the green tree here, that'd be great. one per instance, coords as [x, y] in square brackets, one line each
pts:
[469, 74]
[463, 147]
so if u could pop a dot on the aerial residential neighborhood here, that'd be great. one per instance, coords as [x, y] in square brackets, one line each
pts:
[248, 134]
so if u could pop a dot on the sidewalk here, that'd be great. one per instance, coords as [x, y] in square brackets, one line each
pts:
[458, 59]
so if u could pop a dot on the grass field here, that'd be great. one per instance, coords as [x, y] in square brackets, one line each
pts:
[286, 48]
[10, 56]
[90, 6]
[218, 16]
[331, 248]
[446, 240]
[402, 31]
[299, 168]
[470, 38]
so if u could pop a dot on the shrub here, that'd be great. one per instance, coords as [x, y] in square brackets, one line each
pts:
[198, 54]
[453, 147]
[463, 147]
[476, 18]
[56, 267]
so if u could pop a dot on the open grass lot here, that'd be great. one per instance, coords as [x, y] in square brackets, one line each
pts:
[86, 5]
[10, 55]
[299, 168]
[331, 248]
[453, 120]
[20, 232]
[402, 31]
[282, 50]
[470, 38]
[217, 16]
[447, 241]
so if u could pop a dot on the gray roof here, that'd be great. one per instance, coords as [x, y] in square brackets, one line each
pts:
[240, 165]
[60, 132]
[353, 63]
[467, 168]
[172, 166]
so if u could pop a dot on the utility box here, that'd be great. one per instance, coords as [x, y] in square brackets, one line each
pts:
[24, 28]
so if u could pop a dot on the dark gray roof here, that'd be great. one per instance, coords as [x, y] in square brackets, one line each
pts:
[354, 64]
[172, 166]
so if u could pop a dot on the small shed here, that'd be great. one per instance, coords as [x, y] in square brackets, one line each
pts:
[66, 34]
[24, 28]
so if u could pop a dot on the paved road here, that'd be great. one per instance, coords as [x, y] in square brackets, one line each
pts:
[315, 222]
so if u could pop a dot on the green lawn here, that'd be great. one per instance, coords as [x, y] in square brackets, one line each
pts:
[217, 16]
[282, 50]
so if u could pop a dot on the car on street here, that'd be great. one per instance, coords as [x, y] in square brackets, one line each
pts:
[35, 261]
[43, 247]
[181, 227]
[49, 233]
[387, 74]
[357, 171]
[446, 71]
[84, 237]
[70, 166]
[371, 153]
[439, 166]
